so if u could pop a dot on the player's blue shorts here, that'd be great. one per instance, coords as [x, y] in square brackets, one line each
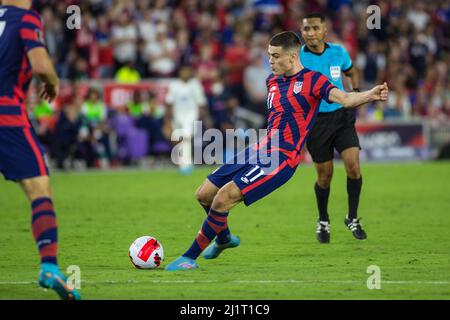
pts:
[21, 155]
[255, 179]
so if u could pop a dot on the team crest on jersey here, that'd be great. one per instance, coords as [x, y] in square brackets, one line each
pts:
[335, 72]
[298, 86]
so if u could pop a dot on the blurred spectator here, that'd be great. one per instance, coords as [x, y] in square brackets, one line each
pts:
[151, 118]
[255, 76]
[95, 113]
[124, 40]
[398, 105]
[128, 74]
[161, 53]
[105, 50]
[73, 138]
[235, 60]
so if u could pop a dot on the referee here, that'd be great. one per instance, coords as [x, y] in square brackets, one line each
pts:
[334, 127]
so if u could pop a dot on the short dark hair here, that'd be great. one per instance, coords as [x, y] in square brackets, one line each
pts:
[288, 40]
[317, 15]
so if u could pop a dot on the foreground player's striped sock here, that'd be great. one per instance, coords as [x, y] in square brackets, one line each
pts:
[214, 223]
[223, 236]
[45, 230]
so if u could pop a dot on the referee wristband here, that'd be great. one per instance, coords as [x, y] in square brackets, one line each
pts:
[356, 90]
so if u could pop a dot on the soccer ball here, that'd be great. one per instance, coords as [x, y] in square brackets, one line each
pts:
[146, 253]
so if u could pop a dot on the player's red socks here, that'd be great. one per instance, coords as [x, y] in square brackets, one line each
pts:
[45, 230]
[214, 223]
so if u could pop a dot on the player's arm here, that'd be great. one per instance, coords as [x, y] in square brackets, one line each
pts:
[42, 66]
[354, 99]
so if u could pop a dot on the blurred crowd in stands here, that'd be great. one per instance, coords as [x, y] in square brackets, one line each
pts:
[225, 42]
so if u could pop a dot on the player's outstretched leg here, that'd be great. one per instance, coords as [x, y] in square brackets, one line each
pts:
[215, 223]
[224, 240]
[215, 249]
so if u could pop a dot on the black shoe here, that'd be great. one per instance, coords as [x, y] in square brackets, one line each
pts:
[356, 228]
[323, 231]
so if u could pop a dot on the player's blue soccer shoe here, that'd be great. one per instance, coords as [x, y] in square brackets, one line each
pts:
[182, 263]
[51, 278]
[215, 249]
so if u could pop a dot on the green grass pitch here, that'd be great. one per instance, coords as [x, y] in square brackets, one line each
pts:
[405, 210]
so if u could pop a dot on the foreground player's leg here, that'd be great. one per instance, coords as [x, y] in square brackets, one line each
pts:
[205, 196]
[217, 221]
[45, 232]
[354, 184]
[322, 191]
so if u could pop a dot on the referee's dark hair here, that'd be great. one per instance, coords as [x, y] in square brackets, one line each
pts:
[317, 15]
[288, 40]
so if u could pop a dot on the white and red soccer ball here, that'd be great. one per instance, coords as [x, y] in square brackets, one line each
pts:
[146, 253]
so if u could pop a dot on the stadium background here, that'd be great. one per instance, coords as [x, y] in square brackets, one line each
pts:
[127, 51]
[404, 206]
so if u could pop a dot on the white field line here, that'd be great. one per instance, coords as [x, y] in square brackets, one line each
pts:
[290, 281]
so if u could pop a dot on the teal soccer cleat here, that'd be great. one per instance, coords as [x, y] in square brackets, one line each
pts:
[215, 249]
[51, 278]
[182, 263]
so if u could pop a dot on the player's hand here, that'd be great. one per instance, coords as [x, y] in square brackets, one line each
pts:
[49, 92]
[380, 92]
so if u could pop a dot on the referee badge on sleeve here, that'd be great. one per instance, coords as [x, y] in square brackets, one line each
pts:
[298, 86]
[335, 72]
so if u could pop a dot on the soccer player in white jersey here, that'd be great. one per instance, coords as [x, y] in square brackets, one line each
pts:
[187, 103]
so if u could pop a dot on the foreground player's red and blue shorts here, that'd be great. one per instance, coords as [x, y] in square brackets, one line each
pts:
[21, 155]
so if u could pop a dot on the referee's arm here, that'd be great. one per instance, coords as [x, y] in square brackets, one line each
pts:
[353, 74]
[354, 99]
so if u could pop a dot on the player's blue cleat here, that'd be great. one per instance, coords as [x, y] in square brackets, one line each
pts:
[186, 170]
[215, 249]
[51, 278]
[182, 263]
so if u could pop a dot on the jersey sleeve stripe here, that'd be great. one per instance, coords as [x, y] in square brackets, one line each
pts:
[27, 34]
[317, 90]
[28, 18]
[327, 92]
[10, 110]
[314, 79]
[348, 69]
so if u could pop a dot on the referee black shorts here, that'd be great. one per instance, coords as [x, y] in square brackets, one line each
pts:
[332, 130]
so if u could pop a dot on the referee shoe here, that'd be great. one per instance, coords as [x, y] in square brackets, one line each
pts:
[355, 227]
[323, 231]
